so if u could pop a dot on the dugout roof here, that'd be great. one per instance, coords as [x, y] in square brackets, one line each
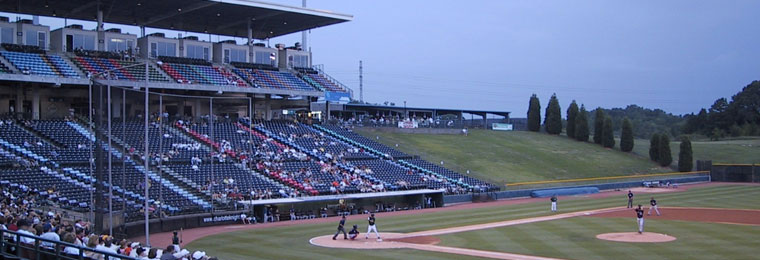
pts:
[220, 17]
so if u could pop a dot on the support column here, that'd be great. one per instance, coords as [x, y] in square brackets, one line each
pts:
[101, 32]
[304, 34]
[197, 109]
[268, 107]
[19, 99]
[116, 107]
[250, 41]
[36, 104]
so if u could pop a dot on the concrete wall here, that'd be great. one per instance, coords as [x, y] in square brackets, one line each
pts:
[438, 131]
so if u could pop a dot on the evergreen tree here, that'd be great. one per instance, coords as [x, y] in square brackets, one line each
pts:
[664, 157]
[608, 138]
[685, 158]
[553, 117]
[534, 114]
[626, 137]
[598, 125]
[581, 125]
[572, 114]
[654, 147]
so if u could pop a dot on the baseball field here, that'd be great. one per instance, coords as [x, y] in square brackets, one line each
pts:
[707, 221]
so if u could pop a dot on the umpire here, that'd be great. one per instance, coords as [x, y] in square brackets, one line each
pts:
[341, 229]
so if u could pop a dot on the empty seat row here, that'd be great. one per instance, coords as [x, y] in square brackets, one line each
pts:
[272, 79]
[120, 69]
[40, 64]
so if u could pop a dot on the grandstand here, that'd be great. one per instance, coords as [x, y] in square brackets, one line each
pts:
[182, 129]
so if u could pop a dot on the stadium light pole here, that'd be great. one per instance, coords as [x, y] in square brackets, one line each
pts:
[110, 166]
[146, 160]
[91, 161]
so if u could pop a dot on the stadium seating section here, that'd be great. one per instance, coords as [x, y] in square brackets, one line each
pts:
[40, 64]
[55, 153]
[195, 71]
[32, 60]
[319, 81]
[265, 78]
[120, 69]
[361, 141]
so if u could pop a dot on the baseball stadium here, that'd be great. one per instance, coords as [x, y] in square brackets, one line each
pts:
[185, 129]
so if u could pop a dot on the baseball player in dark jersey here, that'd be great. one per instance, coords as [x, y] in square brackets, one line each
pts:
[554, 203]
[640, 218]
[341, 229]
[353, 233]
[630, 199]
[371, 227]
[653, 205]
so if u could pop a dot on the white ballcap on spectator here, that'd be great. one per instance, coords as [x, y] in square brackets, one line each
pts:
[182, 253]
[198, 255]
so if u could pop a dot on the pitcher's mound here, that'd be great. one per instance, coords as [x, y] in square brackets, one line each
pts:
[360, 242]
[646, 237]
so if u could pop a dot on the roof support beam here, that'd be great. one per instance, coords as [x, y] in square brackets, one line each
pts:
[83, 7]
[186, 9]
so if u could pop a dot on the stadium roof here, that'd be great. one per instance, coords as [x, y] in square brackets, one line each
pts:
[220, 17]
[439, 111]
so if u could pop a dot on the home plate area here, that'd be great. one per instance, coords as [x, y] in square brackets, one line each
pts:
[361, 243]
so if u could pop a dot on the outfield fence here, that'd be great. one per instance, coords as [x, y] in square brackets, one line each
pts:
[602, 183]
[602, 180]
[735, 172]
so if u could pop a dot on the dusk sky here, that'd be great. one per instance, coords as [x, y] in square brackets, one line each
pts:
[675, 55]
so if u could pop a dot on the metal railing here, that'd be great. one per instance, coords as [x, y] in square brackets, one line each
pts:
[320, 70]
[11, 244]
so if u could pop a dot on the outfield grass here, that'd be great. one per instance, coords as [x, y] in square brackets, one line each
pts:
[574, 238]
[292, 242]
[745, 150]
[509, 157]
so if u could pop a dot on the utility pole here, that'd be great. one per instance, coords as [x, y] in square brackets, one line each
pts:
[361, 83]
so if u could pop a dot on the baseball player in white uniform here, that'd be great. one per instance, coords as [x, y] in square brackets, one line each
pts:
[640, 218]
[371, 227]
[554, 203]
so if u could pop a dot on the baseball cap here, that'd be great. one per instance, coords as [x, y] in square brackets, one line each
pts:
[198, 255]
[182, 253]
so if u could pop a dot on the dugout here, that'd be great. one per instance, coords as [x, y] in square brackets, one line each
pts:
[356, 203]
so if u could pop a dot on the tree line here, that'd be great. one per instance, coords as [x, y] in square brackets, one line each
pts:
[739, 116]
[578, 123]
[577, 127]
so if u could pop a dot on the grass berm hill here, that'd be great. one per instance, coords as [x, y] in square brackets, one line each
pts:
[522, 156]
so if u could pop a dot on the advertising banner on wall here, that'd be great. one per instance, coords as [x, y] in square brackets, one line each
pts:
[502, 127]
[407, 124]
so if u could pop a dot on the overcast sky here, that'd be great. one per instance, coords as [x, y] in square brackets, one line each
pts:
[675, 55]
